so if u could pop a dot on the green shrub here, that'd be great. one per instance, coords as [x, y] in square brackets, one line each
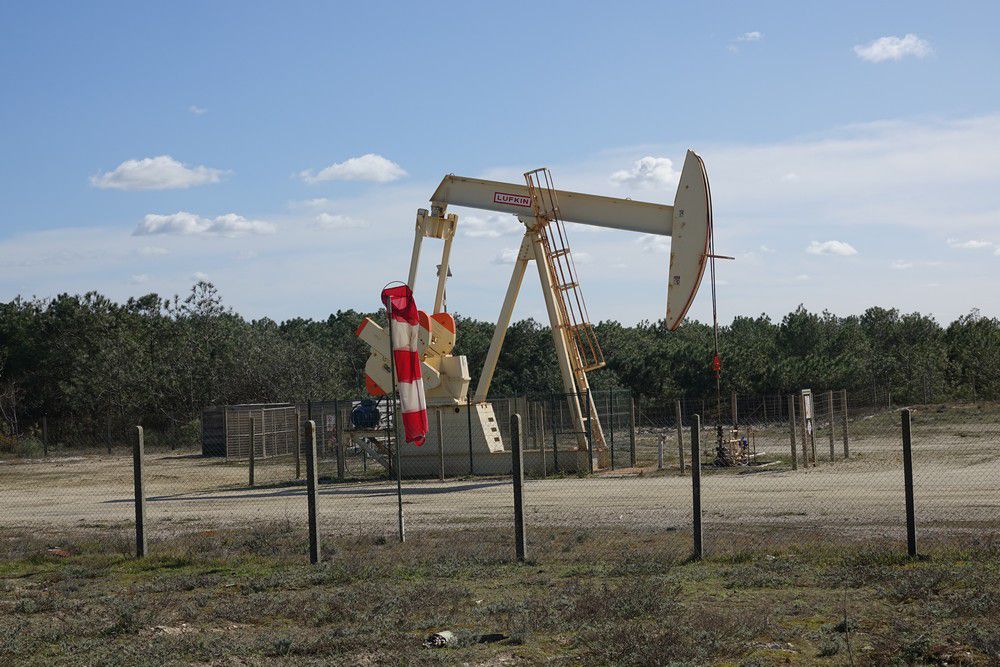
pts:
[190, 434]
[28, 447]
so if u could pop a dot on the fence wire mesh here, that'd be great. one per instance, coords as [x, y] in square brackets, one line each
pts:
[778, 472]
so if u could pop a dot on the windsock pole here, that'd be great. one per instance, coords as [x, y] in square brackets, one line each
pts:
[395, 430]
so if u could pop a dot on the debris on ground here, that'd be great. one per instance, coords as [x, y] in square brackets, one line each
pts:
[446, 638]
[441, 639]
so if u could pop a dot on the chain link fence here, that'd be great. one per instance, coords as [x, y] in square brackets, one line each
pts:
[778, 473]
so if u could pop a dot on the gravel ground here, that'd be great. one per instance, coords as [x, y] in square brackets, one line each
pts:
[957, 479]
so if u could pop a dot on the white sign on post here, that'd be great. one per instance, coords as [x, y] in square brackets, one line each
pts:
[807, 403]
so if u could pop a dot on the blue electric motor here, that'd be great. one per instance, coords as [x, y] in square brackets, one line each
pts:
[366, 414]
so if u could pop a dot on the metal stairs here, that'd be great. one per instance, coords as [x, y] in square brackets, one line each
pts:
[376, 449]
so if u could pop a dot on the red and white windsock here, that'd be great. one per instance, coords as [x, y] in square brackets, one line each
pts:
[405, 333]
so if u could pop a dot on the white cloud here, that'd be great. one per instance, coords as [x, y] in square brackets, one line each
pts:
[153, 251]
[155, 173]
[752, 36]
[647, 172]
[368, 167]
[891, 47]
[997, 252]
[315, 204]
[654, 243]
[893, 170]
[903, 264]
[328, 221]
[199, 276]
[489, 225]
[790, 177]
[506, 256]
[972, 244]
[138, 279]
[186, 224]
[197, 110]
[582, 257]
[841, 248]
[231, 224]
[766, 250]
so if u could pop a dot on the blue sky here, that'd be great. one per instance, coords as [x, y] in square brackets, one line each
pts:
[854, 149]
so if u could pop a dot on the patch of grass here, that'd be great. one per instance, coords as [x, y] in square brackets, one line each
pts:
[592, 597]
[918, 584]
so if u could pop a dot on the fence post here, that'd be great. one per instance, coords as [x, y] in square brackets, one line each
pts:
[698, 550]
[611, 423]
[468, 410]
[337, 433]
[45, 436]
[911, 522]
[735, 410]
[801, 404]
[631, 431]
[298, 445]
[791, 430]
[590, 435]
[517, 472]
[843, 416]
[263, 434]
[812, 435]
[226, 435]
[140, 493]
[343, 418]
[339, 444]
[829, 402]
[659, 451]
[252, 454]
[680, 433]
[440, 430]
[312, 491]
[555, 435]
[399, 474]
[540, 415]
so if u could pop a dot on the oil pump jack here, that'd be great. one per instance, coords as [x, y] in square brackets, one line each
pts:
[543, 210]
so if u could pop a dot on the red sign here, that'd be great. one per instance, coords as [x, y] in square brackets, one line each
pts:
[511, 200]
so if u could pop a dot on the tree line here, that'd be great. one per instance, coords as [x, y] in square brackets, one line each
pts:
[92, 365]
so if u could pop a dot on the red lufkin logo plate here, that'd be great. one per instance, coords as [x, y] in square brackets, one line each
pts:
[508, 199]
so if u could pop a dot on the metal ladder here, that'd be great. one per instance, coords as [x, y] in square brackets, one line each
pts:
[584, 350]
[572, 308]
